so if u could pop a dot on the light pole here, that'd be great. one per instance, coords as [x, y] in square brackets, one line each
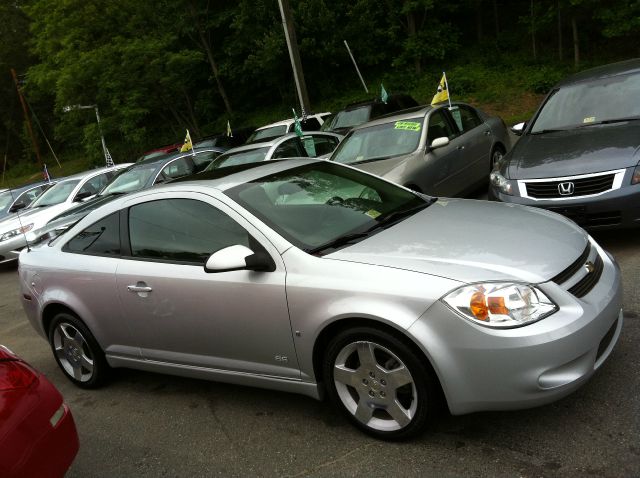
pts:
[107, 155]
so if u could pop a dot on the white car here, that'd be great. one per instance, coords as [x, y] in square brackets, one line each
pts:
[64, 195]
[280, 128]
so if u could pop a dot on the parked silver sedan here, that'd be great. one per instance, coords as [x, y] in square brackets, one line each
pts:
[64, 195]
[312, 144]
[309, 277]
[435, 150]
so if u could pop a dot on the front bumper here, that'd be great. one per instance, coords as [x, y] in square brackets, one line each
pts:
[488, 369]
[10, 250]
[615, 209]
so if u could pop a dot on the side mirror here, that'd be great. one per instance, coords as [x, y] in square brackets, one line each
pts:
[439, 142]
[517, 129]
[82, 196]
[236, 258]
[17, 206]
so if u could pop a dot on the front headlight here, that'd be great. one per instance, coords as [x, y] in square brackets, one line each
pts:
[501, 183]
[500, 304]
[635, 179]
[16, 232]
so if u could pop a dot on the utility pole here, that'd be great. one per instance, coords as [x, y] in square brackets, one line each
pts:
[294, 54]
[26, 117]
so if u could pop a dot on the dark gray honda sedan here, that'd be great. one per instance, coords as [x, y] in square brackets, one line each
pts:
[580, 154]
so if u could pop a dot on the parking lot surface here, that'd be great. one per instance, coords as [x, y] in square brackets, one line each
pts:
[143, 424]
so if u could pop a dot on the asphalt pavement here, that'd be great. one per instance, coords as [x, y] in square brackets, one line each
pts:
[149, 425]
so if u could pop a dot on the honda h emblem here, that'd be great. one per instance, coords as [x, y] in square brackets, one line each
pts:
[566, 189]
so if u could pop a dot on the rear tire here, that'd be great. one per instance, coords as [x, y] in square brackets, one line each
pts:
[77, 352]
[377, 380]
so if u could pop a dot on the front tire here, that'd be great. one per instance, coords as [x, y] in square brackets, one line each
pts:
[379, 383]
[77, 352]
[496, 155]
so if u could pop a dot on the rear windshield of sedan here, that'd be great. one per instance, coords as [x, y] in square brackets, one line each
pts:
[57, 194]
[272, 132]
[129, 181]
[241, 157]
[351, 118]
[380, 142]
[313, 205]
[591, 102]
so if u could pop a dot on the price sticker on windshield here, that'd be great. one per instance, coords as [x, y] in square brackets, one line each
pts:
[589, 119]
[372, 213]
[407, 125]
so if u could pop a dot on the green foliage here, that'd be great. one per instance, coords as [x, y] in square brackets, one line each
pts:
[157, 67]
[541, 80]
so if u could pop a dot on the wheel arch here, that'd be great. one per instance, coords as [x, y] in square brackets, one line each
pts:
[51, 310]
[334, 328]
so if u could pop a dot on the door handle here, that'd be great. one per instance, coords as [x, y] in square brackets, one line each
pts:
[461, 147]
[488, 132]
[139, 288]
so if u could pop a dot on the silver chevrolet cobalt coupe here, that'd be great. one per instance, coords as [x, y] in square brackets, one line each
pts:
[308, 276]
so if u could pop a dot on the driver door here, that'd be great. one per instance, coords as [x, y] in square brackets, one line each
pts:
[179, 314]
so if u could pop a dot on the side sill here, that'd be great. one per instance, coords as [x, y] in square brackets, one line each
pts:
[226, 376]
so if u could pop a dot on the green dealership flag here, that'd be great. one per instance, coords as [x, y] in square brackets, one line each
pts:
[384, 96]
[297, 126]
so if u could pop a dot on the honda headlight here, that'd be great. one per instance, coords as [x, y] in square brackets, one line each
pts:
[15, 232]
[501, 183]
[500, 304]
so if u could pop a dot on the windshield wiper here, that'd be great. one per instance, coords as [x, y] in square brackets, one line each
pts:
[550, 130]
[393, 217]
[610, 121]
[339, 241]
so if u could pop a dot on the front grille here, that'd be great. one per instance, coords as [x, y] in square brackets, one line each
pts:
[588, 282]
[582, 187]
[575, 266]
[581, 217]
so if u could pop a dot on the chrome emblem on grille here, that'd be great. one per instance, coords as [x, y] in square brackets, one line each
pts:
[566, 189]
[589, 267]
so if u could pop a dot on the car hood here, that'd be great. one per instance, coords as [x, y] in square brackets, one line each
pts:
[472, 241]
[579, 151]
[37, 216]
[381, 167]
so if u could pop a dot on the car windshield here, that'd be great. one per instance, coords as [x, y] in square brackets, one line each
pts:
[323, 206]
[380, 142]
[593, 102]
[129, 181]
[240, 157]
[272, 132]
[351, 118]
[56, 194]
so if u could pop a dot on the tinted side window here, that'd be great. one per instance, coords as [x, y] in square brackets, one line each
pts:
[311, 124]
[469, 118]
[439, 127]
[288, 149]
[203, 159]
[94, 185]
[182, 230]
[319, 145]
[101, 238]
[28, 196]
[178, 168]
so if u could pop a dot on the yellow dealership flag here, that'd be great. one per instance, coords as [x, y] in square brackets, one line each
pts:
[443, 91]
[187, 143]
